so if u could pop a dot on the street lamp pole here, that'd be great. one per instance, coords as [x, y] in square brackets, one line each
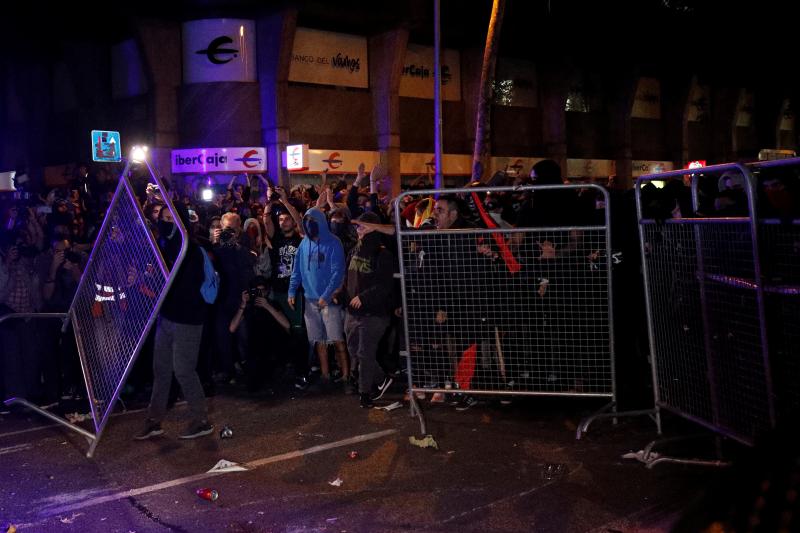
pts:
[437, 93]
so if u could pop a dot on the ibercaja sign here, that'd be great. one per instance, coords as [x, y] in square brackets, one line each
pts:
[232, 159]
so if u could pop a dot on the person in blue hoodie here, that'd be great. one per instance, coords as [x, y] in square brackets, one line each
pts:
[319, 268]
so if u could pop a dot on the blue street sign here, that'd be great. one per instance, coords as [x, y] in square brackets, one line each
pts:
[106, 147]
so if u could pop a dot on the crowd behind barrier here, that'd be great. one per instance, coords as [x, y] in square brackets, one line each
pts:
[722, 279]
[324, 313]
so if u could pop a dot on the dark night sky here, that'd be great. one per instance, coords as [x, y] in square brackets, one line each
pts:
[715, 37]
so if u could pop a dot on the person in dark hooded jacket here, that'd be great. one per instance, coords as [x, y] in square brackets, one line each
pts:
[319, 267]
[178, 333]
[367, 295]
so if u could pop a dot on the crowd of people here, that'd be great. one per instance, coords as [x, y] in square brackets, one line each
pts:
[307, 295]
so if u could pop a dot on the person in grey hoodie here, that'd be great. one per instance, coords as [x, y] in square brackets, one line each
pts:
[319, 268]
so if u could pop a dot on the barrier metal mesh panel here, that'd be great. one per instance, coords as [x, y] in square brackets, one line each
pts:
[705, 324]
[481, 320]
[118, 294]
[780, 252]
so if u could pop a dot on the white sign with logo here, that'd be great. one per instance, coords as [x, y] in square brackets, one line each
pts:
[699, 102]
[640, 168]
[219, 50]
[347, 161]
[341, 161]
[297, 157]
[328, 58]
[418, 72]
[205, 160]
[647, 101]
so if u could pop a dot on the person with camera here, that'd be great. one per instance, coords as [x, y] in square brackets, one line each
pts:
[61, 268]
[20, 292]
[266, 330]
[234, 262]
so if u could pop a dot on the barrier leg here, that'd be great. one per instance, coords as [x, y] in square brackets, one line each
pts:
[57, 419]
[600, 414]
[651, 458]
[416, 410]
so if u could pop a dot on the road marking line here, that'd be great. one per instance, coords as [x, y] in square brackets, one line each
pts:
[14, 449]
[205, 475]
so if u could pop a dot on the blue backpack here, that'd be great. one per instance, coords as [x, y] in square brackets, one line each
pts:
[210, 285]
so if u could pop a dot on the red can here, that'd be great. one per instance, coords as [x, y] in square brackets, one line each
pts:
[208, 494]
[353, 455]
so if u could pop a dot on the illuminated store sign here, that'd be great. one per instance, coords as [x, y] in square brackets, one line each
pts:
[296, 157]
[219, 50]
[328, 58]
[417, 79]
[205, 160]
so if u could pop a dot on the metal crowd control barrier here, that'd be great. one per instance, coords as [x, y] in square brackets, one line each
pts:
[117, 300]
[706, 309]
[508, 311]
[779, 242]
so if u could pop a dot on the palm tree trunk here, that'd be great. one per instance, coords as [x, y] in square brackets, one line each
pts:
[480, 155]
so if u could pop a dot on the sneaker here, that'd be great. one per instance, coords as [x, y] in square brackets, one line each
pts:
[197, 429]
[383, 387]
[301, 383]
[466, 403]
[351, 386]
[151, 429]
[366, 401]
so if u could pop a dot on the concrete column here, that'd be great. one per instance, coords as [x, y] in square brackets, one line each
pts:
[767, 116]
[723, 123]
[275, 38]
[622, 90]
[553, 86]
[160, 45]
[676, 90]
[386, 53]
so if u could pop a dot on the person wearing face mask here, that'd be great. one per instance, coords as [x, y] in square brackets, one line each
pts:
[178, 333]
[367, 296]
[235, 264]
[319, 267]
[342, 228]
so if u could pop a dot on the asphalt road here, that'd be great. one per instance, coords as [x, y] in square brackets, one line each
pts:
[515, 468]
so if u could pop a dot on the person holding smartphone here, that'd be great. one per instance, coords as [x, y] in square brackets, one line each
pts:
[266, 330]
